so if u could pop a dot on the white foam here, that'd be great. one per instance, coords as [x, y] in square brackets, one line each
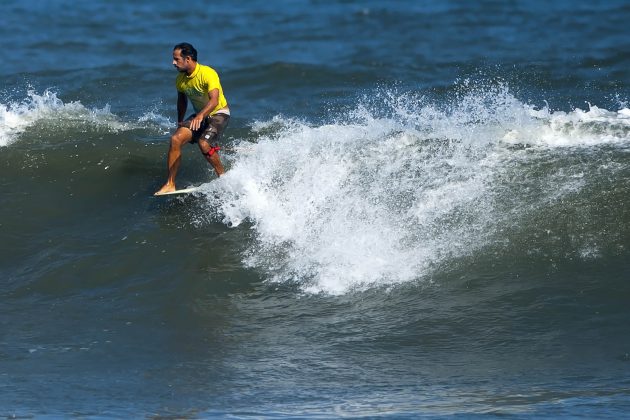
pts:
[17, 117]
[154, 118]
[379, 200]
[579, 128]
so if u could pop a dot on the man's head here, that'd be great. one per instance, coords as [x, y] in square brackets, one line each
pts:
[184, 57]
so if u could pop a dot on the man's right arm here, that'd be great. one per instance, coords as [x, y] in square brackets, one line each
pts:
[182, 104]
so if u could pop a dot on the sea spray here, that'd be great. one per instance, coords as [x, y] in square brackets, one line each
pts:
[48, 113]
[591, 127]
[377, 200]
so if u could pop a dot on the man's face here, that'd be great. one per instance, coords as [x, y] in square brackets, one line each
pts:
[182, 64]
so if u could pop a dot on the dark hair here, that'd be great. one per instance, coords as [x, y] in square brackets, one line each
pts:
[186, 50]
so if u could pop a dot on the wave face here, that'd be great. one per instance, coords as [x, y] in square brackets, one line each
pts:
[401, 186]
[396, 190]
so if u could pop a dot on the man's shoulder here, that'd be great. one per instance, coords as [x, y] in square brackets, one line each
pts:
[206, 70]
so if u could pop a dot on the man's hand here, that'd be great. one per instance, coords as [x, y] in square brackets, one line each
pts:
[195, 123]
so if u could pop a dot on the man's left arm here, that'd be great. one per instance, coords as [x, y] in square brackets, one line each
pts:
[213, 95]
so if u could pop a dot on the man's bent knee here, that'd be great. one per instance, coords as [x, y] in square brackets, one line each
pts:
[179, 139]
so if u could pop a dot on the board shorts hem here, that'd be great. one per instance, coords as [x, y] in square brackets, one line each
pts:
[211, 129]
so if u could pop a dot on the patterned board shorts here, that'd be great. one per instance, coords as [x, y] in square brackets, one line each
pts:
[211, 128]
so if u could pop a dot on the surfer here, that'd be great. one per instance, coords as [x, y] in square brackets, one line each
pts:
[200, 84]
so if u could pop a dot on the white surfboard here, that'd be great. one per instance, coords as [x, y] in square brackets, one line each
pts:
[176, 192]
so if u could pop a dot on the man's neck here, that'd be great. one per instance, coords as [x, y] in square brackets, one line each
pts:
[192, 70]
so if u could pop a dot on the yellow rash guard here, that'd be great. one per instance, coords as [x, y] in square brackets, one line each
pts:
[197, 86]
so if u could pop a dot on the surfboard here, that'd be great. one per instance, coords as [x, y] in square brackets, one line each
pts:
[176, 192]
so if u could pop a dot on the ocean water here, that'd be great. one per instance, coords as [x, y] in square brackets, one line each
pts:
[425, 212]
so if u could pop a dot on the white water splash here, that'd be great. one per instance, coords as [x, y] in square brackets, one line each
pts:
[17, 117]
[383, 200]
[573, 129]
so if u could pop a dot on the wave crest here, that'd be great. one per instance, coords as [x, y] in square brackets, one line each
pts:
[387, 194]
[50, 112]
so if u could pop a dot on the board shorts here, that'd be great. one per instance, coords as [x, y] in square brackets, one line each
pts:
[211, 128]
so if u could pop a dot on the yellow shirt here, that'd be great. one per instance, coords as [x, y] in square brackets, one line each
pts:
[197, 86]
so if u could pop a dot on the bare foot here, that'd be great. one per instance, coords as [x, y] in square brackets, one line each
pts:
[165, 189]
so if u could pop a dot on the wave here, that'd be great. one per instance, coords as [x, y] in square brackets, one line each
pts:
[401, 187]
[51, 113]
[591, 127]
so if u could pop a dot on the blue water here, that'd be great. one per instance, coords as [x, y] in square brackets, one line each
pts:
[424, 214]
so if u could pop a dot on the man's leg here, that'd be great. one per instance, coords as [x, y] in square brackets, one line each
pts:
[212, 157]
[212, 135]
[182, 136]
